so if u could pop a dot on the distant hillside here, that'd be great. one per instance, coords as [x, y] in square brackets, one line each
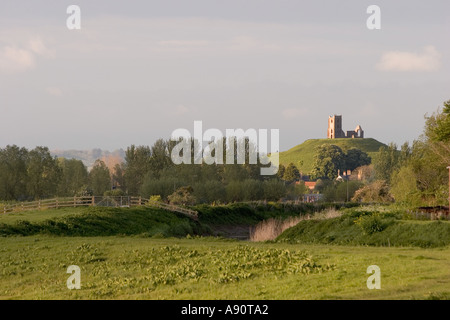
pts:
[303, 154]
[89, 156]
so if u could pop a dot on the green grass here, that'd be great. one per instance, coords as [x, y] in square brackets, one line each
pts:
[248, 213]
[35, 267]
[304, 153]
[122, 255]
[99, 221]
[253, 212]
[39, 215]
[373, 228]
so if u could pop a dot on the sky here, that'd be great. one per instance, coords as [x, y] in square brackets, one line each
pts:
[138, 70]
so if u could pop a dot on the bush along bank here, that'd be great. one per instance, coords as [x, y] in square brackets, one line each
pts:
[372, 228]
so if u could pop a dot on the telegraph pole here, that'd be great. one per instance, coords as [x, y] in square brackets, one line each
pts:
[448, 189]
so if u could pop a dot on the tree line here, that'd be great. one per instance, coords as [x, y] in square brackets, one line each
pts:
[146, 171]
[417, 174]
[412, 174]
[35, 174]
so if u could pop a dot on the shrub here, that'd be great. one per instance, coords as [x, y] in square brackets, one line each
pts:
[377, 191]
[371, 224]
[114, 193]
[182, 196]
[155, 198]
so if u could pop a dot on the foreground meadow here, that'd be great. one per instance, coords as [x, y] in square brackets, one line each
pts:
[133, 267]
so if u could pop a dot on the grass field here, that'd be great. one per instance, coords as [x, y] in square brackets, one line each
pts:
[209, 268]
[130, 254]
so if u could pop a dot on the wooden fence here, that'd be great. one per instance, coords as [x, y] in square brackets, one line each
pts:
[48, 204]
[102, 201]
[187, 212]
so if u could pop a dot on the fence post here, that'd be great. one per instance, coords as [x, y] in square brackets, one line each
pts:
[74, 201]
[140, 201]
[39, 204]
[56, 203]
[93, 201]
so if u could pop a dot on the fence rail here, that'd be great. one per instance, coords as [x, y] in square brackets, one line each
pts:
[187, 212]
[103, 201]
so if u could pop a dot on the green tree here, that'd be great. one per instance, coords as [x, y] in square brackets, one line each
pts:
[387, 162]
[209, 191]
[163, 186]
[74, 177]
[99, 178]
[355, 158]
[13, 173]
[274, 189]
[291, 173]
[404, 186]
[327, 161]
[437, 134]
[281, 170]
[137, 165]
[234, 191]
[341, 191]
[405, 154]
[296, 191]
[44, 173]
[252, 190]
[322, 184]
[118, 176]
[430, 173]
[160, 157]
[438, 125]
[234, 172]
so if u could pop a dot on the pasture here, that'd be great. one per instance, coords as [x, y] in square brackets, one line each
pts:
[34, 267]
[138, 253]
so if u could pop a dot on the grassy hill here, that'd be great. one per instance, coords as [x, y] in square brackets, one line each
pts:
[303, 154]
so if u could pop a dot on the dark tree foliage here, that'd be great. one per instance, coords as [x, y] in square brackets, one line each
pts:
[99, 178]
[13, 173]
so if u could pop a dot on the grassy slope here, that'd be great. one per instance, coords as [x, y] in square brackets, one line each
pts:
[305, 152]
[344, 231]
[141, 268]
[251, 213]
[99, 221]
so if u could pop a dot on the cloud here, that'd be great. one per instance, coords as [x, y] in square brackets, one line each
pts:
[184, 43]
[14, 59]
[54, 91]
[180, 110]
[38, 47]
[428, 60]
[294, 112]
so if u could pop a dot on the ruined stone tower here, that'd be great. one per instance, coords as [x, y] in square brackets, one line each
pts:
[335, 129]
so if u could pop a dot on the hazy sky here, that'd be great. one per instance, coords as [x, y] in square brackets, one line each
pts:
[137, 70]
